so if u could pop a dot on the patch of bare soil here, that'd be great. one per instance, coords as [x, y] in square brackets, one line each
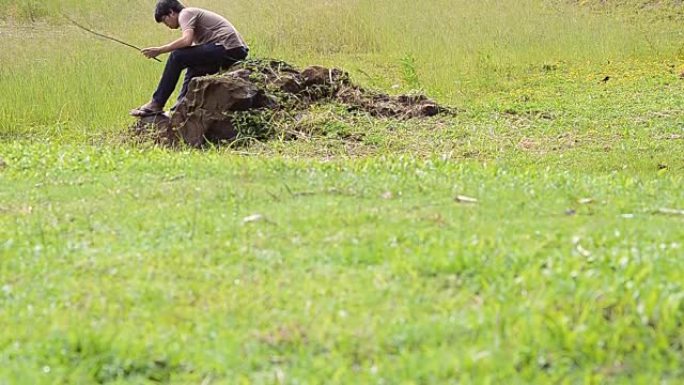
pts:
[256, 98]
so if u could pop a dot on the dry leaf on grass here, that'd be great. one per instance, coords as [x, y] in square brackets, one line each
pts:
[253, 218]
[465, 199]
[670, 211]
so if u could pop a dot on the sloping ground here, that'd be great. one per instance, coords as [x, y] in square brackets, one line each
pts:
[658, 9]
[255, 99]
[630, 4]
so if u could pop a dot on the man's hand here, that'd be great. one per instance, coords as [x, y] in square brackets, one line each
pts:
[185, 41]
[152, 52]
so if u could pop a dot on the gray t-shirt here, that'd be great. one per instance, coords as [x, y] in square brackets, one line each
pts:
[210, 27]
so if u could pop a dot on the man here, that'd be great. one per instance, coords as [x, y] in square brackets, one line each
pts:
[209, 43]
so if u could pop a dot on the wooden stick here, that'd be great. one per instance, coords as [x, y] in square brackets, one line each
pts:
[103, 35]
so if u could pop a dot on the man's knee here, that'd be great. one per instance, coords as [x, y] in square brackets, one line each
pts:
[175, 57]
[179, 57]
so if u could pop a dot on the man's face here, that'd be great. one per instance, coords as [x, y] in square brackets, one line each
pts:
[171, 20]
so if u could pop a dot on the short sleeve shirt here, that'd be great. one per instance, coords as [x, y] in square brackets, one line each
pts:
[210, 27]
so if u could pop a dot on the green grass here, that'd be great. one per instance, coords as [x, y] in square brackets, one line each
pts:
[461, 52]
[116, 258]
[345, 256]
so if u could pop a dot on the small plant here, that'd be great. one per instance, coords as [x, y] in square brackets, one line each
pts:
[254, 124]
[409, 72]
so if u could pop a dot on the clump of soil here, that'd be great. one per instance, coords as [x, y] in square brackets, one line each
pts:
[256, 97]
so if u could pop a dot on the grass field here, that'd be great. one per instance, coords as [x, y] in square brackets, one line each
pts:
[350, 256]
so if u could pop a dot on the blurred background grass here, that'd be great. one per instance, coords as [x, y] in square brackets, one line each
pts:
[56, 77]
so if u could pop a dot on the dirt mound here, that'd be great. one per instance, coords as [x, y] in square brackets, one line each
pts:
[253, 97]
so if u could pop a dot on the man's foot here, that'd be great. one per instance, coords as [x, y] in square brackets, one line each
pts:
[148, 109]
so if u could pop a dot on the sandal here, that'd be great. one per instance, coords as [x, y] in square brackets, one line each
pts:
[143, 111]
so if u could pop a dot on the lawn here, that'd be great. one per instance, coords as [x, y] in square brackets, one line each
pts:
[536, 236]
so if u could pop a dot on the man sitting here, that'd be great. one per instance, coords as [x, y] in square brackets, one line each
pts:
[209, 43]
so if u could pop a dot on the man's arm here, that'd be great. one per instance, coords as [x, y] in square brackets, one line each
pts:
[184, 41]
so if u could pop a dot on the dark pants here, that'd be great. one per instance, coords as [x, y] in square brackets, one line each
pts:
[200, 60]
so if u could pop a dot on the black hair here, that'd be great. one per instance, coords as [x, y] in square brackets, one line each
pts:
[164, 8]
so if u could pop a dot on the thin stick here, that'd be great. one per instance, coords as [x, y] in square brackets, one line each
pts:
[103, 35]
